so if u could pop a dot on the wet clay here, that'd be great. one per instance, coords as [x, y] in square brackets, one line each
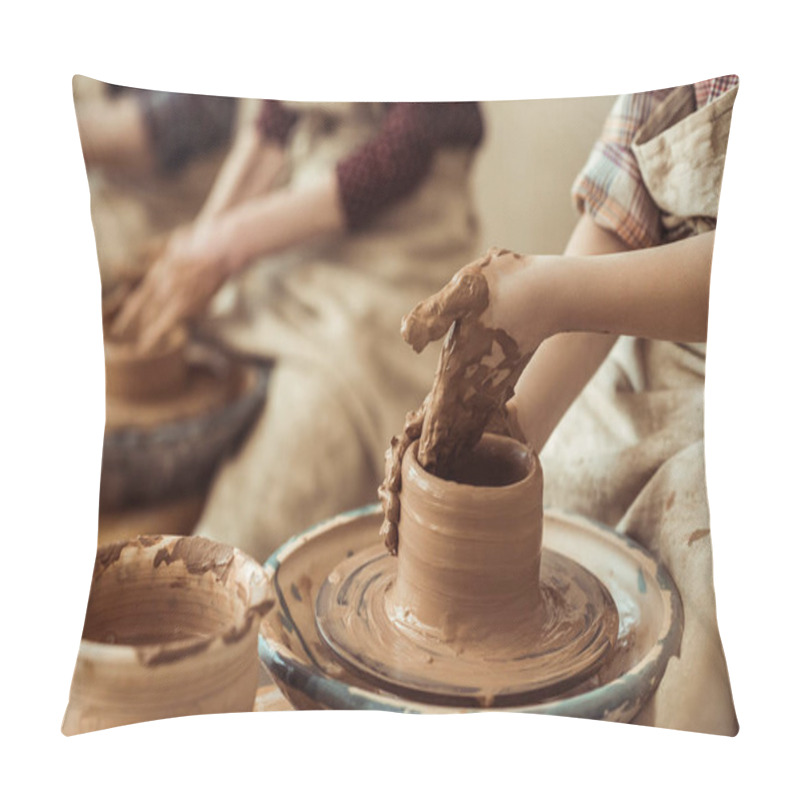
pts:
[461, 615]
[313, 676]
[204, 391]
[195, 610]
[136, 375]
[477, 370]
[175, 588]
[469, 559]
[206, 386]
[469, 611]
[171, 629]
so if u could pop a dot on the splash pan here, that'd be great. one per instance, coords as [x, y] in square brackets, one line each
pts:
[574, 628]
[312, 674]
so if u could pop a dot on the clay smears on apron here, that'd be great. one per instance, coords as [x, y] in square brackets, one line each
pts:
[630, 450]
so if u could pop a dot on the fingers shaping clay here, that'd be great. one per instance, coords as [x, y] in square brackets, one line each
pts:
[478, 367]
[155, 374]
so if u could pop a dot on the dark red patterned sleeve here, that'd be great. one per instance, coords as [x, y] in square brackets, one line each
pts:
[275, 121]
[396, 160]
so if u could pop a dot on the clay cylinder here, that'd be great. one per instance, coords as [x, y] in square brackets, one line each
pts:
[155, 374]
[171, 630]
[470, 548]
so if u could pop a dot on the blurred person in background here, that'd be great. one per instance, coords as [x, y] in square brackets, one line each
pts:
[327, 221]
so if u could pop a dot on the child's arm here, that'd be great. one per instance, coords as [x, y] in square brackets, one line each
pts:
[657, 293]
[565, 363]
[517, 314]
[568, 311]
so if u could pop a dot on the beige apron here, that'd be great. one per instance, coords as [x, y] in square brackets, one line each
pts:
[630, 450]
[329, 313]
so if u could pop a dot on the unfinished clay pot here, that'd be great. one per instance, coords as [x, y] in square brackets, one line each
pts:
[468, 612]
[136, 375]
[171, 630]
[470, 547]
[155, 452]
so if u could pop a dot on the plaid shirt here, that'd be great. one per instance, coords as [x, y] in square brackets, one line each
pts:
[610, 187]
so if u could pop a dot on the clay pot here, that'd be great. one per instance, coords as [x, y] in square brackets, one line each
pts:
[155, 374]
[171, 630]
[470, 548]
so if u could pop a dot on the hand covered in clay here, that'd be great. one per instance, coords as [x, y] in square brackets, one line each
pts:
[179, 285]
[491, 336]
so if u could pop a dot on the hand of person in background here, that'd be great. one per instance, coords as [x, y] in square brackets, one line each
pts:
[490, 339]
[194, 261]
[179, 285]
[198, 260]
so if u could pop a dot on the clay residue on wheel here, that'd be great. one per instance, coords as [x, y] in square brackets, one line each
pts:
[198, 556]
[149, 541]
[106, 556]
[153, 656]
[253, 613]
[469, 613]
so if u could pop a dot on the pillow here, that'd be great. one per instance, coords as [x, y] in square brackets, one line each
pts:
[256, 260]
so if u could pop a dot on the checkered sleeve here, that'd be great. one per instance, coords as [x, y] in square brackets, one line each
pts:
[707, 91]
[610, 187]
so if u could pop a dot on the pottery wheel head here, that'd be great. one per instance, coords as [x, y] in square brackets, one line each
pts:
[575, 629]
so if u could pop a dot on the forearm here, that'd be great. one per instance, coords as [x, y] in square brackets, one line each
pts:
[281, 219]
[556, 375]
[656, 293]
[249, 170]
[563, 364]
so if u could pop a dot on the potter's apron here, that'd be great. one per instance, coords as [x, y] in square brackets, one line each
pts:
[630, 450]
[329, 314]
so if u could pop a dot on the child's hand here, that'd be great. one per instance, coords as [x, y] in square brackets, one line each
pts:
[490, 339]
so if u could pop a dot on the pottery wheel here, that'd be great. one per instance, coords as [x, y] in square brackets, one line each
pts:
[156, 451]
[575, 629]
[208, 387]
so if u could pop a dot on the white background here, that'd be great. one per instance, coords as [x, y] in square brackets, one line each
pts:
[52, 385]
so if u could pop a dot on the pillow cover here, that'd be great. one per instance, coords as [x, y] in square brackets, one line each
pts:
[257, 258]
